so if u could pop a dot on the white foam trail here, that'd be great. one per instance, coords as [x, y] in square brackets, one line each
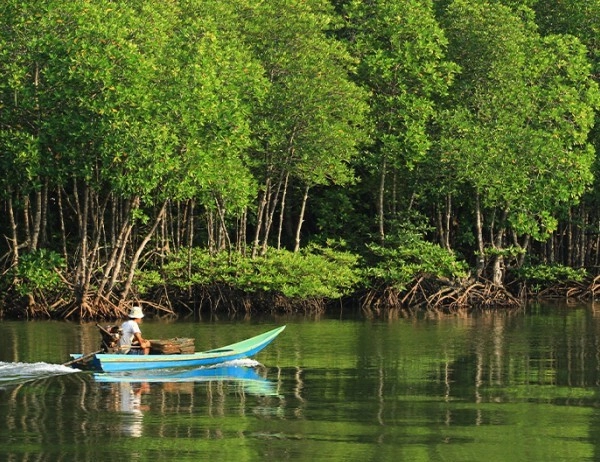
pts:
[19, 371]
[238, 363]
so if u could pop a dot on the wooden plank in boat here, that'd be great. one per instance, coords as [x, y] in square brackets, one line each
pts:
[171, 346]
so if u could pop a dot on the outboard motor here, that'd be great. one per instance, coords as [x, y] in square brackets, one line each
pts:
[110, 338]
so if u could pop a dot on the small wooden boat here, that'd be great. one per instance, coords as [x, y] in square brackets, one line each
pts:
[108, 362]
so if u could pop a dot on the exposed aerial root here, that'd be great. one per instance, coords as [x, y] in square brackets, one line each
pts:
[439, 295]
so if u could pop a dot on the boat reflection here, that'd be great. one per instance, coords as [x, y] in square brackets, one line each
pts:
[249, 377]
[131, 407]
[136, 393]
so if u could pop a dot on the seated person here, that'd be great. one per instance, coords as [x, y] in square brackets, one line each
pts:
[131, 341]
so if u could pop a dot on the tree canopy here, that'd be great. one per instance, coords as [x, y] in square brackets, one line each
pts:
[135, 134]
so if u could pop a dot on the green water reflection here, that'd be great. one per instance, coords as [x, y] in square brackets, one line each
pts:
[490, 386]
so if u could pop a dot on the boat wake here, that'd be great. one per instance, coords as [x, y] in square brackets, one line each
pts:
[235, 363]
[25, 372]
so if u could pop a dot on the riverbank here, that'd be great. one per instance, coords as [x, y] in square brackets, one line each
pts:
[425, 294]
[387, 281]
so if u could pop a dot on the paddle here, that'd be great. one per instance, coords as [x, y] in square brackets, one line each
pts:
[81, 358]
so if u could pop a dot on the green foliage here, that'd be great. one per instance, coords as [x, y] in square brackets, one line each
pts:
[540, 276]
[309, 126]
[38, 272]
[408, 256]
[507, 252]
[425, 104]
[520, 115]
[315, 273]
[147, 280]
[401, 50]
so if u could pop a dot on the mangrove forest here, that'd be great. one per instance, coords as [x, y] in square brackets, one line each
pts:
[248, 156]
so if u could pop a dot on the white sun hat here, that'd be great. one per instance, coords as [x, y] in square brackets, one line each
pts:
[136, 312]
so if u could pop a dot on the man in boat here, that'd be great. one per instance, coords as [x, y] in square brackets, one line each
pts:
[131, 341]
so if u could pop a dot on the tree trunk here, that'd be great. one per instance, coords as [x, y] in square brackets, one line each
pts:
[94, 259]
[380, 202]
[259, 216]
[120, 257]
[282, 211]
[440, 225]
[63, 230]
[394, 198]
[36, 222]
[270, 213]
[240, 244]
[27, 220]
[570, 261]
[211, 232]
[190, 236]
[43, 235]
[112, 267]
[597, 245]
[82, 267]
[222, 225]
[13, 229]
[138, 253]
[444, 221]
[480, 243]
[448, 221]
[498, 270]
[524, 246]
[582, 236]
[499, 263]
[178, 226]
[301, 219]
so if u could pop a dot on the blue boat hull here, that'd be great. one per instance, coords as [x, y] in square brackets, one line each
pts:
[120, 362]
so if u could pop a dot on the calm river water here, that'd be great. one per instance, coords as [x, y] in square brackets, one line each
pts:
[491, 386]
